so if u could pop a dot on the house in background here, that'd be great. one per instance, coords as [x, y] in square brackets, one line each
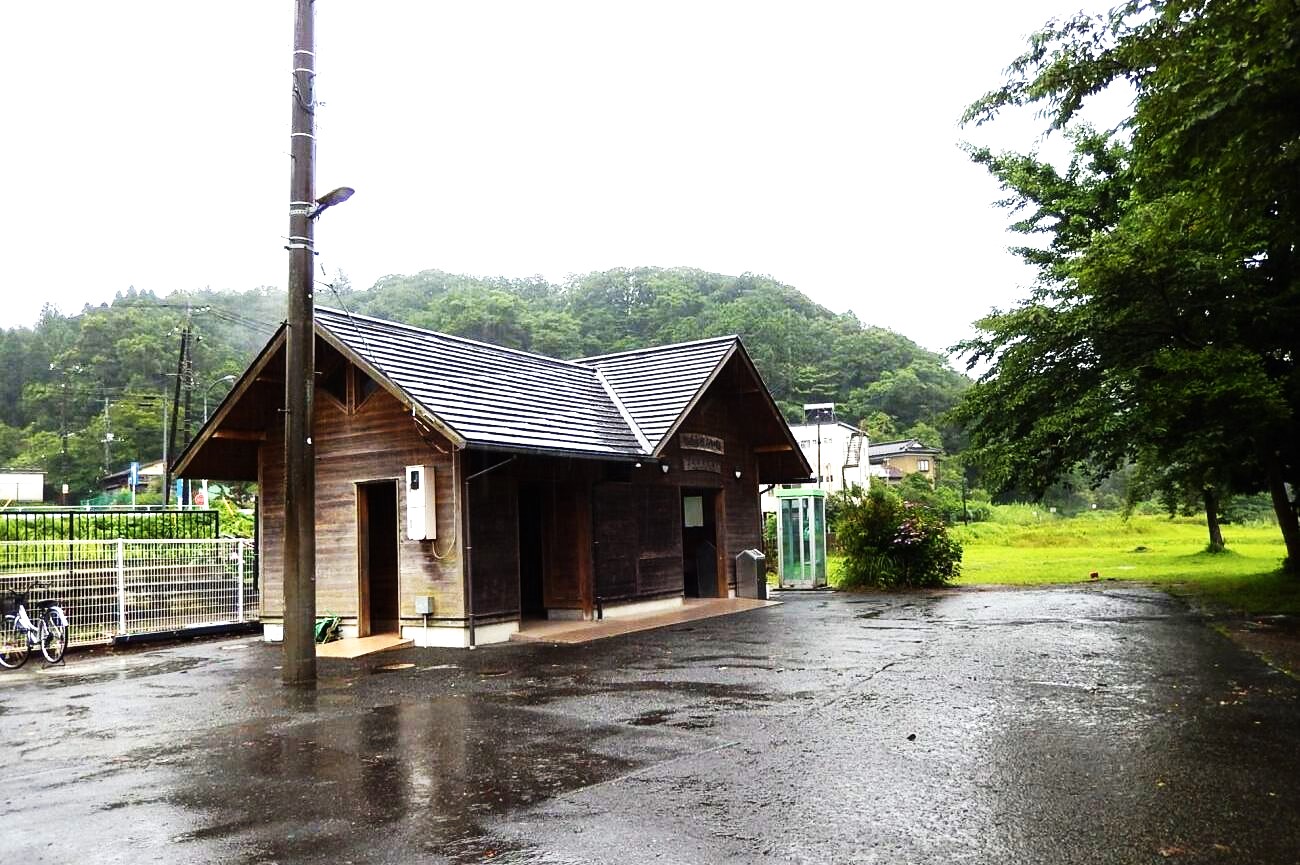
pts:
[892, 461]
[149, 473]
[841, 459]
[463, 488]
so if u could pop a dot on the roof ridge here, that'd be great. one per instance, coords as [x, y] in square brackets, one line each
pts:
[641, 438]
[465, 339]
[732, 337]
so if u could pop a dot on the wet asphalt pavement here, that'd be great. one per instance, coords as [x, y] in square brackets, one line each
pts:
[1078, 725]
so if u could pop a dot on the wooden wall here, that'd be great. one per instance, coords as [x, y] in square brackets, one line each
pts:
[567, 548]
[564, 489]
[724, 412]
[494, 537]
[377, 441]
[612, 530]
[638, 537]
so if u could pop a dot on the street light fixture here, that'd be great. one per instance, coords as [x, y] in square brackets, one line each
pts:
[228, 379]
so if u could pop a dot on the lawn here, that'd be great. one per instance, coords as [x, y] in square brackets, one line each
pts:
[1025, 548]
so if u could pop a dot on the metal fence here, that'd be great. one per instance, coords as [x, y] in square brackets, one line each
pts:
[124, 587]
[105, 524]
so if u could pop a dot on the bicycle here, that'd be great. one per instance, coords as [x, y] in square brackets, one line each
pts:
[19, 634]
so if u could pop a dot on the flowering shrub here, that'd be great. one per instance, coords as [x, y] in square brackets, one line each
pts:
[889, 543]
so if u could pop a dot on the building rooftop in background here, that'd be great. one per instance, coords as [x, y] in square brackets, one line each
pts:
[879, 451]
[893, 460]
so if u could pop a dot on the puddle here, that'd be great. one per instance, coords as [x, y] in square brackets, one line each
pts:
[133, 667]
[427, 776]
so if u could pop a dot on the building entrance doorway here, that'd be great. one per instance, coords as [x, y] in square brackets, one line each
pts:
[532, 552]
[377, 590]
[699, 543]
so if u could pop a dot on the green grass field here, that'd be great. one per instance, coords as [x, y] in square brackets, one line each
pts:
[1024, 548]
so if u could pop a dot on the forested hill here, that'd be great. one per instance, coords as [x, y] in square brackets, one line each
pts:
[63, 372]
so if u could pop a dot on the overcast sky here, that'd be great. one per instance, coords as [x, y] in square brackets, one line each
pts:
[146, 144]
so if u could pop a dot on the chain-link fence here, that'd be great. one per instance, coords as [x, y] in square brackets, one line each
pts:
[131, 587]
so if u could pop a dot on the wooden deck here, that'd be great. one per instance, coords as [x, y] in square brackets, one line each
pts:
[584, 632]
[356, 647]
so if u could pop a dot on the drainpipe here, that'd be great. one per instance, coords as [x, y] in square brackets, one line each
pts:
[469, 547]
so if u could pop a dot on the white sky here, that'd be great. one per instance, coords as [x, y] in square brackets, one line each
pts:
[145, 143]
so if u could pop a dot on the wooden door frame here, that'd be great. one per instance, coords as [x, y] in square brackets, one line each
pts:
[587, 547]
[363, 550]
[720, 538]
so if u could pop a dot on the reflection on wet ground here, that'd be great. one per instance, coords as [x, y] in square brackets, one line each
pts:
[1065, 725]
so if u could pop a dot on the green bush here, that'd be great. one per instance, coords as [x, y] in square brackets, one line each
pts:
[769, 539]
[890, 543]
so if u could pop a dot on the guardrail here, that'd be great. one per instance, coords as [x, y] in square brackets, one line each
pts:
[121, 588]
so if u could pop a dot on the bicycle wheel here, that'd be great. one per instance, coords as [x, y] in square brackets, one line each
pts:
[54, 634]
[13, 644]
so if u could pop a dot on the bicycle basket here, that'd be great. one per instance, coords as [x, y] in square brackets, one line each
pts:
[9, 603]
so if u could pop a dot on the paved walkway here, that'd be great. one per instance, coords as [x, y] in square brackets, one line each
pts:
[1070, 726]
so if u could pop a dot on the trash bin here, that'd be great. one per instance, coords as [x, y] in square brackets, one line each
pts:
[751, 575]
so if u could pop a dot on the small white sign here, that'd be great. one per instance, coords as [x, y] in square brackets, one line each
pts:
[693, 511]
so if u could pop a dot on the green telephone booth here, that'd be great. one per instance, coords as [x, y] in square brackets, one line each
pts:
[801, 538]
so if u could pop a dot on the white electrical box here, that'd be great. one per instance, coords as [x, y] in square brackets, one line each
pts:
[421, 512]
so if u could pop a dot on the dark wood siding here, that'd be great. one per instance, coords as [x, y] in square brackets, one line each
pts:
[494, 535]
[659, 563]
[562, 487]
[638, 550]
[724, 412]
[614, 518]
[566, 541]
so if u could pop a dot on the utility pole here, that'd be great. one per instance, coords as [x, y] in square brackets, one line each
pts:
[300, 346]
[169, 440]
[187, 431]
[108, 441]
[166, 474]
[63, 435]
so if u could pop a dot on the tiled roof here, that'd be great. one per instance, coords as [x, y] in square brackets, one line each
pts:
[616, 405]
[880, 450]
[657, 385]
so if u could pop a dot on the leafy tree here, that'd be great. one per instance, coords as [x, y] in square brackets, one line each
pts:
[880, 427]
[1163, 326]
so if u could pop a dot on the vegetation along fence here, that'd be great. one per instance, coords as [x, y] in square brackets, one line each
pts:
[124, 587]
[78, 524]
